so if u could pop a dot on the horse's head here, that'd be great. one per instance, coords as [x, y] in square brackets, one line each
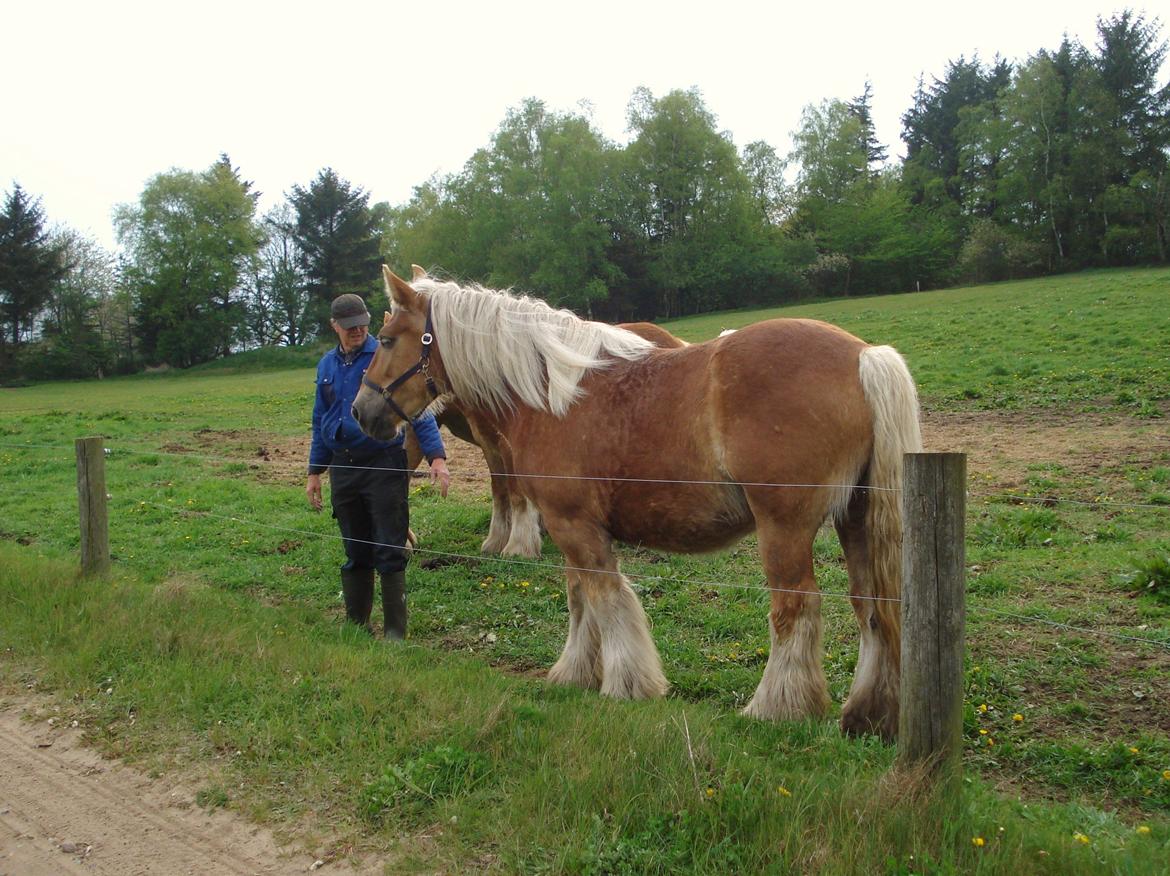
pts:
[403, 377]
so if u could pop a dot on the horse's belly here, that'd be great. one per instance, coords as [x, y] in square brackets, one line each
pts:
[683, 519]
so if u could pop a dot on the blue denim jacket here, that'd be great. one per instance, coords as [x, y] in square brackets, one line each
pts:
[338, 380]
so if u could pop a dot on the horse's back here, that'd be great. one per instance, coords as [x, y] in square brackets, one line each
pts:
[668, 439]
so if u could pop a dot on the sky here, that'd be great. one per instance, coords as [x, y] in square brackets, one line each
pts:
[100, 97]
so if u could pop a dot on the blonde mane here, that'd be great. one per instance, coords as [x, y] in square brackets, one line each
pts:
[497, 346]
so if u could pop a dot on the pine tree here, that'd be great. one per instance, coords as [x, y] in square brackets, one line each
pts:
[875, 152]
[338, 238]
[30, 265]
[933, 169]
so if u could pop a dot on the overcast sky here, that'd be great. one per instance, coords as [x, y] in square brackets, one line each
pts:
[100, 96]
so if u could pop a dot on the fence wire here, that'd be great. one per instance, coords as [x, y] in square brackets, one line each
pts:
[1010, 498]
[761, 587]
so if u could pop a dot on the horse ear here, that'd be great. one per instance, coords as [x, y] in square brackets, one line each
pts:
[397, 289]
[386, 317]
[417, 273]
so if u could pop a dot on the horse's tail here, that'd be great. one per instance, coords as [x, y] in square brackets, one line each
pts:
[893, 400]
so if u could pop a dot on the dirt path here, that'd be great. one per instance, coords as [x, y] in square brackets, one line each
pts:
[65, 810]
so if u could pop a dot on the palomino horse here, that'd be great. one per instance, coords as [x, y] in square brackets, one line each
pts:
[775, 428]
[515, 523]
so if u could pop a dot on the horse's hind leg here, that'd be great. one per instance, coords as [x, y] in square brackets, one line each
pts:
[524, 539]
[872, 705]
[626, 658]
[793, 685]
[501, 524]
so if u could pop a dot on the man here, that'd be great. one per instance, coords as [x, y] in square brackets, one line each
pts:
[368, 478]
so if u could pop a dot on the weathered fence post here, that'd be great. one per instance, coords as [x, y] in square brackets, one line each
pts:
[933, 610]
[91, 503]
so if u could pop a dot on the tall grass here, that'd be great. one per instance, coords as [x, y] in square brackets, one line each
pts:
[295, 719]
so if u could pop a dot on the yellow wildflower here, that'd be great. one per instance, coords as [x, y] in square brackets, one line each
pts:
[784, 792]
[983, 708]
[977, 841]
[1081, 838]
[1017, 717]
[710, 792]
[1133, 749]
[982, 732]
[1166, 775]
[1143, 829]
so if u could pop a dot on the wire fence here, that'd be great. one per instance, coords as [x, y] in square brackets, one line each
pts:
[1155, 642]
[1009, 497]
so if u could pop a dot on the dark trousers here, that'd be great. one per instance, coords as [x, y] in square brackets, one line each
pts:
[369, 497]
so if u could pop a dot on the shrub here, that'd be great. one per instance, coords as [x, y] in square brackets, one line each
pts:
[992, 252]
[829, 274]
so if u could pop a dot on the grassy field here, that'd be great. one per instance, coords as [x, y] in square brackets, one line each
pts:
[215, 646]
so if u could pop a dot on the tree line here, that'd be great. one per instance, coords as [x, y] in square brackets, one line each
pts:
[1055, 163]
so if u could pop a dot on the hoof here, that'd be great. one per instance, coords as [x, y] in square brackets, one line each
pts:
[492, 546]
[857, 721]
[580, 676]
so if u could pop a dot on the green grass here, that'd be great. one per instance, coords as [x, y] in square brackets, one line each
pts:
[1091, 340]
[291, 718]
[219, 631]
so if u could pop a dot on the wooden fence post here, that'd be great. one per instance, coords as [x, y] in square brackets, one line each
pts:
[91, 503]
[934, 611]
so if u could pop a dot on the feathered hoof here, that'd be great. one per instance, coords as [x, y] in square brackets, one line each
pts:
[574, 675]
[525, 549]
[767, 708]
[634, 686]
[870, 718]
[492, 545]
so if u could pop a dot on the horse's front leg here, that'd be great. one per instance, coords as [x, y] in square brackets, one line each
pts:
[626, 661]
[579, 664]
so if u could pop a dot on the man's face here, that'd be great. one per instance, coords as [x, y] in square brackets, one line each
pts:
[351, 338]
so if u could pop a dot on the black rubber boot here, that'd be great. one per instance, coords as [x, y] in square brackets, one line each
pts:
[357, 586]
[394, 604]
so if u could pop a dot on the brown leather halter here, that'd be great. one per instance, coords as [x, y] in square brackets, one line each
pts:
[422, 365]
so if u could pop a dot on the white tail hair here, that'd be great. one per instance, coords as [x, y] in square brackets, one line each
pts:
[893, 400]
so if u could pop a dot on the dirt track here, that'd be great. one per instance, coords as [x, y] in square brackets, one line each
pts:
[65, 810]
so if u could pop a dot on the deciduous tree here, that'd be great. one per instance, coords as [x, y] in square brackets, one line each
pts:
[190, 240]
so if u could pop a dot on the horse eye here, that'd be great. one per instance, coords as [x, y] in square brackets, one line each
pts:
[386, 342]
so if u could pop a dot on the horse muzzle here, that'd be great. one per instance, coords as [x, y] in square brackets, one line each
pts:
[374, 417]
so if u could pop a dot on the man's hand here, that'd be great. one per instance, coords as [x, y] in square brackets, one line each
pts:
[440, 477]
[313, 491]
